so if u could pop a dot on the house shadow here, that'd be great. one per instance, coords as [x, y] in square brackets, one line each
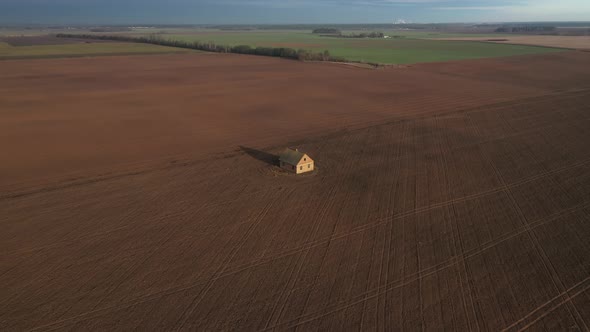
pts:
[266, 157]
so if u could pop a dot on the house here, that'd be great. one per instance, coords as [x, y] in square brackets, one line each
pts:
[295, 161]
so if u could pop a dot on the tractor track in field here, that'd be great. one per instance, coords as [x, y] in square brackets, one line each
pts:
[448, 196]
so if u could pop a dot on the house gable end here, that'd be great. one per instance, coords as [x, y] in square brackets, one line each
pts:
[305, 160]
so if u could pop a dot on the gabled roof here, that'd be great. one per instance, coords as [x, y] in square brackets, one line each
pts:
[292, 157]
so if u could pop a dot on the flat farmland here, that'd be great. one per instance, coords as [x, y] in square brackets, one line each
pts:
[571, 42]
[409, 48]
[50, 47]
[447, 196]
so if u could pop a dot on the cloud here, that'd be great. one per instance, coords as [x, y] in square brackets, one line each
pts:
[290, 11]
[537, 10]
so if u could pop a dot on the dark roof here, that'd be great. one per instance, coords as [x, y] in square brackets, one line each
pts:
[290, 156]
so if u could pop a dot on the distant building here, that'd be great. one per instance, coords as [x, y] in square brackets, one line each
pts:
[295, 161]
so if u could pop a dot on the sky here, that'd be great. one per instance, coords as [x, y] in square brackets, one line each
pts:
[287, 11]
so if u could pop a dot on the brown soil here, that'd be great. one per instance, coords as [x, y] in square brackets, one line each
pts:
[573, 42]
[139, 193]
[44, 40]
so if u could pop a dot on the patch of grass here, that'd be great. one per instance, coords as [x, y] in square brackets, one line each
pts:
[82, 49]
[250, 38]
[413, 46]
[408, 51]
[386, 51]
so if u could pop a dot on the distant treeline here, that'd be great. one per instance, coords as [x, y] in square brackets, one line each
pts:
[342, 27]
[111, 29]
[363, 35]
[331, 31]
[523, 24]
[527, 28]
[281, 52]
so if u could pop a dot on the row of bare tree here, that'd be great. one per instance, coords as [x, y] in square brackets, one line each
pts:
[281, 52]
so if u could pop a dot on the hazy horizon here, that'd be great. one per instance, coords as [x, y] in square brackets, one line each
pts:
[77, 12]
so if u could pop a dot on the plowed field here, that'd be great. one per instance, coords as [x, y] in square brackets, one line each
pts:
[572, 42]
[139, 193]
